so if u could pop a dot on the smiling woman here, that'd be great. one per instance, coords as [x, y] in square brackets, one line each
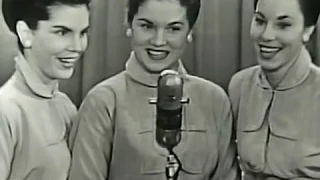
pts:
[114, 135]
[277, 102]
[34, 115]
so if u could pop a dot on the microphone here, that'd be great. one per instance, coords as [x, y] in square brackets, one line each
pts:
[169, 105]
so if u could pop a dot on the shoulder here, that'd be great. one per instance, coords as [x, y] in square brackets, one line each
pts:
[314, 77]
[65, 99]
[67, 105]
[108, 86]
[10, 110]
[104, 93]
[207, 88]
[11, 121]
[315, 70]
[244, 75]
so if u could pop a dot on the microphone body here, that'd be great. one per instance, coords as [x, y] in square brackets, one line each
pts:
[169, 109]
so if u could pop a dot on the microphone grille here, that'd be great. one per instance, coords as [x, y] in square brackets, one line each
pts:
[168, 71]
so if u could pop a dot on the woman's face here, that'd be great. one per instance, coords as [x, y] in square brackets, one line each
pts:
[58, 43]
[159, 34]
[277, 30]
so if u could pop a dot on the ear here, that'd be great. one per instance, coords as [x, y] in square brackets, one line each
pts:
[307, 33]
[25, 34]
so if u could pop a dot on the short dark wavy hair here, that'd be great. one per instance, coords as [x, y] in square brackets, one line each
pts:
[32, 11]
[192, 6]
[310, 10]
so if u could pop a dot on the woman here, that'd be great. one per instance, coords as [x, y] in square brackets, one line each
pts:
[115, 137]
[35, 116]
[277, 102]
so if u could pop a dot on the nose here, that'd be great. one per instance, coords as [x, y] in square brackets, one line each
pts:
[77, 44]
[159, 38]
[268, 34]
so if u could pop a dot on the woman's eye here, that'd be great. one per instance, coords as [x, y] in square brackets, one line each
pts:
[174, 29]
[146, 26]
[259, 21]
[83, 33]
[283, 25]
[61, 32]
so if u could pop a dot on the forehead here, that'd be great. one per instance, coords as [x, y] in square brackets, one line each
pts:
[162, 11]
[68, 15]
[273, 8]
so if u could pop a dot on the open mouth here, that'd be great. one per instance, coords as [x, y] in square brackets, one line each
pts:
[156, 54]
[68, 62]
[268, 51]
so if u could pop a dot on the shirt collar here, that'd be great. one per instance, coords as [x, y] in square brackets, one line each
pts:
[139, 74]
[298, 72]
[32, 80]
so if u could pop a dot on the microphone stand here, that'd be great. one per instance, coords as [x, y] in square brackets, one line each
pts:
[173, 166]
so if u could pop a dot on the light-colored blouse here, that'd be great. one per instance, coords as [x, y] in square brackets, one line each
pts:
[278, 130]
[34, 123]
[114, 137]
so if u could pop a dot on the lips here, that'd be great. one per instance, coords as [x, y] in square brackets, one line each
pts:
[68, 62]
[268, 52]
[156, 54]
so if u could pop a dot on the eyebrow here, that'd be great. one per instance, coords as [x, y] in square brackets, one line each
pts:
[68, 29]
[145, 20]
[85, 29]
[176, 23]
[170, 24]
[283, 17]
[278, 18]
[259, 13]
[62, 27]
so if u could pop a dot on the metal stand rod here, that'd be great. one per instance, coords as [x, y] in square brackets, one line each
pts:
[173, 167]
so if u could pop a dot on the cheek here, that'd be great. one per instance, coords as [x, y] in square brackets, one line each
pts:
[178, 41]
[140, 38]
[255, 32]
[290, 39]
[84, 42]
[50, 46]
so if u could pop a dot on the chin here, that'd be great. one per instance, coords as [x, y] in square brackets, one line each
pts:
[269, 66]
[63, 75]
[155, 69]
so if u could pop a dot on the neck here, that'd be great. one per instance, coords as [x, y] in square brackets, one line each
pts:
[276, 77]
[49, 82]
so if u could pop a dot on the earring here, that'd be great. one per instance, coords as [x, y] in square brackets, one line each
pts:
[129, 32]
[27, 44]
[305, 39]
[189, 38]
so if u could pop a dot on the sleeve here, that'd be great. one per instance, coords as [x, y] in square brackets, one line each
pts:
[72, 114]
[91, 136]
[227, 163]
[234, 93]
[7, 145]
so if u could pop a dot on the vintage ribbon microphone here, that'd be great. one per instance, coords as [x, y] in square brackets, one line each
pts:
[169, 104]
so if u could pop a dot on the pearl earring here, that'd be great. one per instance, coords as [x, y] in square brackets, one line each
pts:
[189, 38]
[305, 39]
[27, 44]
[129, 32]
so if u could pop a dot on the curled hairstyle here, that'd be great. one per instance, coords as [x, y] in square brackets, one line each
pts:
[32, 11]
[309, 8]
[192, 6]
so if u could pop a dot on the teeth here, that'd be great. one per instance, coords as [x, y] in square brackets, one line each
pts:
[156, 52]
[67, 60]
[270, 50]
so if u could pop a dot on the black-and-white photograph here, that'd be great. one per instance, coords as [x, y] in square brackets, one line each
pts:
[159, 90]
